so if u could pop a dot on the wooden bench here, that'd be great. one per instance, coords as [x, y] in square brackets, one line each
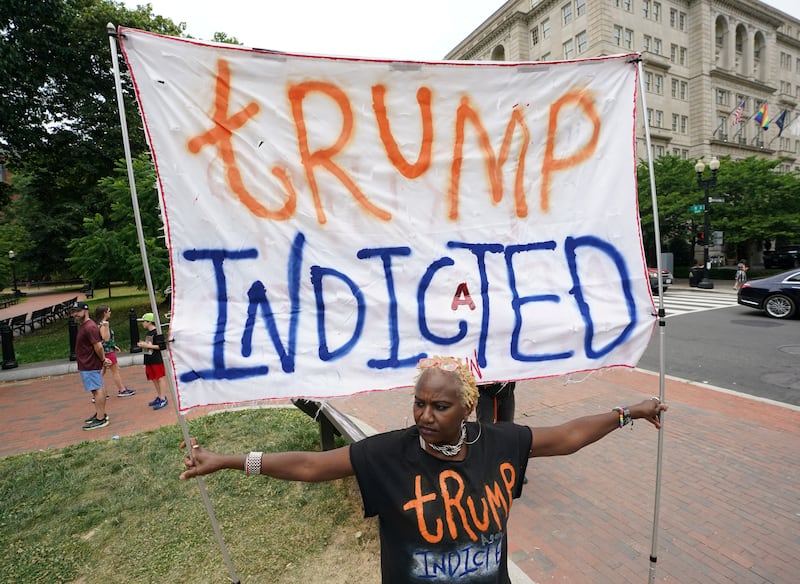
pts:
[88, 290]
[7, 300]
[19, 323]
[331, 421]
[63, 309]
[40, 317]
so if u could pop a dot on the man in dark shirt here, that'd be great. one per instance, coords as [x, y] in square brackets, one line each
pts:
[91, 360]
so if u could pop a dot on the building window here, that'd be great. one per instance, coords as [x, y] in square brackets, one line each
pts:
[647, 41]
[684, 124]
[628, 42]
[649, 116]
[673, 53]
[627, 5]
[673, 18]
[569, 49]
[535, 36]
[675, 88]
[684, 56]
[659, 84]
[657, 46]
[618, 35]
[675, 119]
[566, 13]
[546, 57]
[659, 119]
[646, 8]
[657, 11]
[682, 21]
[723, 97]
[648, 81]
[580, 40]
[580, 7]
[684, 91]
[545, 28]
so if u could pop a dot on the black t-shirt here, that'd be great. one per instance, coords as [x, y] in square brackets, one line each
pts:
[443, 520]
[152, 356]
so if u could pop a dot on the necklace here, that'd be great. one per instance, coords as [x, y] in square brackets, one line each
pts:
[448, 449]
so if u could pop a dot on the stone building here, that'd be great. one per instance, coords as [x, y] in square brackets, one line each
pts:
[702, 59]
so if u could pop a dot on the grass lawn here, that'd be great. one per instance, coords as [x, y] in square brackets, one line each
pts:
[52, 341]
[115, 511]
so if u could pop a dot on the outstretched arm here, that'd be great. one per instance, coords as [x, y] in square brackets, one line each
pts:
[311, 467]
[571, 436]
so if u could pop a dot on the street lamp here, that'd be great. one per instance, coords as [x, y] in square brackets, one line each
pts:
[706, 184]
[11, 256]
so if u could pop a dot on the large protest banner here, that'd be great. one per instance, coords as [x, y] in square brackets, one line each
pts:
[332, 220]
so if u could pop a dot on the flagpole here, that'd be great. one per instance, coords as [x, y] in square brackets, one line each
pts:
[112, 36]
[661, 331]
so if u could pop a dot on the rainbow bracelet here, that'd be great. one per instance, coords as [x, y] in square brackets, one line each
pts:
[624, 415]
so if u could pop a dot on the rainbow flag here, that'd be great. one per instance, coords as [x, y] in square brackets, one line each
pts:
[761, 117]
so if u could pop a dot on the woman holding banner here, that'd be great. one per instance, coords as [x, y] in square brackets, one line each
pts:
[442, 489]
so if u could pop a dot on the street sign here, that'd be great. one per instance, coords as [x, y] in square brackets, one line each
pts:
[697, 208]
[716, 200]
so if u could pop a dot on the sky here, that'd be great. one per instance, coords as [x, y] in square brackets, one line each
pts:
[406, 30]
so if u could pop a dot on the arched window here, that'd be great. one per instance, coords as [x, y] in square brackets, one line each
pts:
[741, 49]
[499, 53]
[721, 43]
[759, 56]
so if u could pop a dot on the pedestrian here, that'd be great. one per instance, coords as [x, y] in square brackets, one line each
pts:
[102, 314]
[91, 360]
[741, 275]
[442, 489]
[153, 361]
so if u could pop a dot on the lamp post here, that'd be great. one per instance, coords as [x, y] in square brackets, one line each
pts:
[11, 257]
[706, 184]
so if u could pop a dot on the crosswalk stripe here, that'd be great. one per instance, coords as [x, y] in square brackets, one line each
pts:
[676, 302]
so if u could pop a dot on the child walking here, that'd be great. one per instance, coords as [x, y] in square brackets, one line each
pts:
[153, 361]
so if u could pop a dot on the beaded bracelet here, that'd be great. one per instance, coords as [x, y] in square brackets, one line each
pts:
[252, 464]
[624, 415]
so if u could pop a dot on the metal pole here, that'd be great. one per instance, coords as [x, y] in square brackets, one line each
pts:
[706, 184]
[112, 37]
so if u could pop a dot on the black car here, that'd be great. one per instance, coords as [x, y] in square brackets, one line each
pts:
[784, 256]
[778, 296]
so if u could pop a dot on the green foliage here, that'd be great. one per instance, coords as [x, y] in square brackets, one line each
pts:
[59, 122]
[115, 511]
[760, 204]
[109, 249]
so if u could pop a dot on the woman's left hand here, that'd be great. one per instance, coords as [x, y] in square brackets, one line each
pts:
[650, 410]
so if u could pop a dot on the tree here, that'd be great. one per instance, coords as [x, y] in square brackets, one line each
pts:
[109, 249]
[759, 203]
[59, 123]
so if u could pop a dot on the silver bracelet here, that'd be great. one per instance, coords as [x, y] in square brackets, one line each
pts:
[252, 464]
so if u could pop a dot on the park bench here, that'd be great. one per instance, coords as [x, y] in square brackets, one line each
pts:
[19, 323]
[88, 290]
[331, 421]
[40, 317]
[63, 309]
[7, 300]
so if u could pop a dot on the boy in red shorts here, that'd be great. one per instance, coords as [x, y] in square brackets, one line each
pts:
[153, 361]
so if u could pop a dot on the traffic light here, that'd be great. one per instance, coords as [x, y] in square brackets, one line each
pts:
[700, 239]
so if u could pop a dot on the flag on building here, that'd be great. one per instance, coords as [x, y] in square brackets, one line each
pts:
[738, 113]
[779, 121]
[761, 117]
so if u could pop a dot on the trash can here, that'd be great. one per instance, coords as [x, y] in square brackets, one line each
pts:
[695, 275]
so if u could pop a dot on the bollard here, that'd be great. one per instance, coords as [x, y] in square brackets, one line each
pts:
[73, 334]
[7, 337]
[135, 348]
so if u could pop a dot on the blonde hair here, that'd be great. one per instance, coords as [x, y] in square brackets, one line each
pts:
[468, 387]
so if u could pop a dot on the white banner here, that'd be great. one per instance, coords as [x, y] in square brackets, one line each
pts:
[330, 221]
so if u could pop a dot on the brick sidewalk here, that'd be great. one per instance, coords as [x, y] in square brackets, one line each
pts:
[730, 498]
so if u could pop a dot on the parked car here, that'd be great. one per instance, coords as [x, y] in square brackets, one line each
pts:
[778, 296]
[783, 256]
[666, 279]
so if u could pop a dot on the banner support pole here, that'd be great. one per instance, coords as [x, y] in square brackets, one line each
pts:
[661, 330]
[112, 36]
